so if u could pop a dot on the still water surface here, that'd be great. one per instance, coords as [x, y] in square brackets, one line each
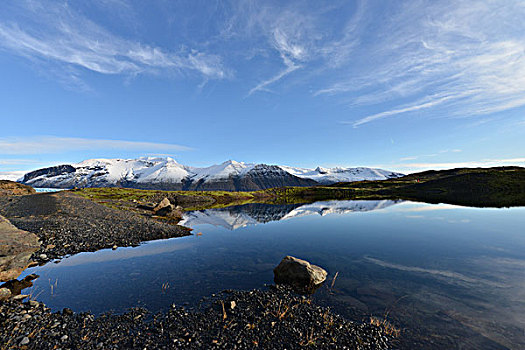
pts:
[440, 272]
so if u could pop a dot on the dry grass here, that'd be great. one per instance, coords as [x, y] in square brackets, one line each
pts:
[310, 339]
[388, 327]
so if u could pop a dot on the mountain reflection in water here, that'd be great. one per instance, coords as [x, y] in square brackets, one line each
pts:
[238, 216]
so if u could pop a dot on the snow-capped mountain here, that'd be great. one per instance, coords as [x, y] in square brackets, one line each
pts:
[236, 217]
[167, 174]
[333, 175]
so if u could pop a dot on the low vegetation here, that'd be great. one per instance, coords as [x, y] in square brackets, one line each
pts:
[481, 187]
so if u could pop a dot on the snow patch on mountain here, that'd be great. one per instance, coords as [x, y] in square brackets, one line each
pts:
[221, 171]
[333, 175]
[145, 169]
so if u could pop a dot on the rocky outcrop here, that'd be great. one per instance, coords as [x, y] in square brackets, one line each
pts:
[300, 274]
[16, 248]
[51, 171]
[163, 208]
[11, 188]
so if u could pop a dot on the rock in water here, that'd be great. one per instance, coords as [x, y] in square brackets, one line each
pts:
[163, 208]
[300, 274]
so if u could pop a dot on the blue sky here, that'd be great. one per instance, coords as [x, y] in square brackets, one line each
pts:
[402, 85]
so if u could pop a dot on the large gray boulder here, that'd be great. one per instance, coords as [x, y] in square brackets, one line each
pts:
[300, 274]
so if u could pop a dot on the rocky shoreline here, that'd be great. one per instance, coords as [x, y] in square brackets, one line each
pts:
[275, 318]
[68, 224]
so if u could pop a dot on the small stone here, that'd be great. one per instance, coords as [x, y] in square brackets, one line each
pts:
[67, 311]
[233, 304]
[33, 303]
[24, 341]
[4, 293]
[43, 256]
[64, 337]
[20, 297]
[114, 247]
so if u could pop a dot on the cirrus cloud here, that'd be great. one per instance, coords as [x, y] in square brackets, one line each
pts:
[55, 144]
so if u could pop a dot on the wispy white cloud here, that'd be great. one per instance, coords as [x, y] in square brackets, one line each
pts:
[411, 108]
[467, 58]
[431, 154]
[283, 37]
[53, 144]
[262, 85]
[291, 53]
[11, 175]
[56, 33]
[13, 161]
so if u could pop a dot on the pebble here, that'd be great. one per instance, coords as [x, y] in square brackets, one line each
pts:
[64, 337]
[24, 341]
[4, 293]
[43, 256]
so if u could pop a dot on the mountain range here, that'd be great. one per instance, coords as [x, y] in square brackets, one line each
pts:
[167, 174]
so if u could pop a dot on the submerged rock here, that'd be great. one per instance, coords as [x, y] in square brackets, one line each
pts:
[300, 274]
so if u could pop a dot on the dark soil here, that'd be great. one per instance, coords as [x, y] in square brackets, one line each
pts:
[271, 319]
[68, 224]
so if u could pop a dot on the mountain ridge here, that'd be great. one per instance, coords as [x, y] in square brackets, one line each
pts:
[167, 174]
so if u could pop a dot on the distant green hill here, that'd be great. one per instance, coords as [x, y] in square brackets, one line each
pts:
[482, 187]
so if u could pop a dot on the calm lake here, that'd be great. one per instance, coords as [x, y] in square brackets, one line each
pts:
[439, 272]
